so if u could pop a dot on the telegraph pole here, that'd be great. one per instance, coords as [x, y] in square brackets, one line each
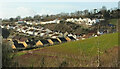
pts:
[98, 50]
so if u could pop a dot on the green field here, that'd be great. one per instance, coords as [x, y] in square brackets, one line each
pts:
[75, 53]
[113, 21]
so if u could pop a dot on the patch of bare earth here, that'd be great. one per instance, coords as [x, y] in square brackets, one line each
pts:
[110, 58]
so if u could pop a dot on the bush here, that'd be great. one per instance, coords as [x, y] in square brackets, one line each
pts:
[5, 33]
[6, 55]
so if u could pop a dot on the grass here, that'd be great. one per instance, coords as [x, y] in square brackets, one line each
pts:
[87, 46]
[74, 53]
[113, 21]
[20, 54]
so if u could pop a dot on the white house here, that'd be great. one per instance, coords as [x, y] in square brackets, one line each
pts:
[70, 35]
[2, 26]
[30, 31]
[48, 30]
[29, 23]
[24, 29]
[48, 22]
[55, 36]
[36, 32]
[42, 33]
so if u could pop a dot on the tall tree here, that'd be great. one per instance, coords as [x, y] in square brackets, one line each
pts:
[95, 11]
[86, 12]
[5, 33]
[11, 19]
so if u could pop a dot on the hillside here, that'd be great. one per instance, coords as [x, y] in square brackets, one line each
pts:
[76, 53]
[69, 27]
[113, 21]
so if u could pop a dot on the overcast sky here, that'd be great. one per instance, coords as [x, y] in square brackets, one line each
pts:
[24, 8]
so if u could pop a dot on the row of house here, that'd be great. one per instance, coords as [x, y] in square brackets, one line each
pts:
[41, 32]
[22, 42]
[36, 23]
[86, 21]
[37, 31]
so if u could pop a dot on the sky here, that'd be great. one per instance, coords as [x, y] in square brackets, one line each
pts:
[23, 8]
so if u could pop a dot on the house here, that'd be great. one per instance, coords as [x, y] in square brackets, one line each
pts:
[55, 36]
[48, 30]
[45, 42]
[35, 32]
[89, 35]
[2, 26]
[20, 22]
[67, 38]
[38, 43]
[16, 38]
[100, 32]
[30, 42]
[22, 40]
[49, 22]
[50, 41]
[71, 38]
[65, 34]
[17, 45]
[55, 41]
[62, 39]
[30, 32]
[29, 23]
[24, 30]
[42, 33]
[70, 34]
[50, 34]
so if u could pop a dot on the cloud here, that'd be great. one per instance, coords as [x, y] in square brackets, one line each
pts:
[22, 11]
[45, 12]
[19, 11]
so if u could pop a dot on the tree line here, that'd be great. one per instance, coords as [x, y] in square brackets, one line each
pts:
[102, 12]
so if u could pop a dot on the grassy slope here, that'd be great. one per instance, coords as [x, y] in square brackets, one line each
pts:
[87, 46]
[113, 21]
[75, 53]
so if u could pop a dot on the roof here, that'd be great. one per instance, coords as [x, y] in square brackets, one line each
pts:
[31, 42]
[54, 40]
[25, 28]
[111, 25]
[22, 39]
[87, 36]
[51, 33]
[18, 45]
[55, 35]
[43, 31]
[44, 41]
[71, 37]
[16, 37]
[15, 41]
[31, 30]
[36, 30]
[62, 39]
